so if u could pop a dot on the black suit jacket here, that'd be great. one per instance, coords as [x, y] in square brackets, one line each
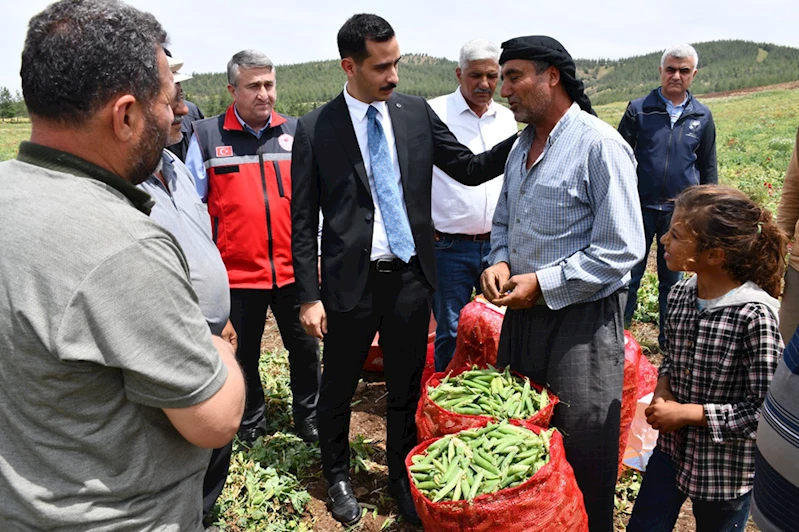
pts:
[328, 172]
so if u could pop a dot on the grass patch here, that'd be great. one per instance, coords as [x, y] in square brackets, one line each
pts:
[11, 134]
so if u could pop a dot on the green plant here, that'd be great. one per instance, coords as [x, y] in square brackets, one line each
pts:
[265, 489]
[648, 306]
[261, 498]
[361, 453]
[627, 489]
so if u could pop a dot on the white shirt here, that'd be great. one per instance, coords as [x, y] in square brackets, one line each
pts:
[357, 108]
[459, 208]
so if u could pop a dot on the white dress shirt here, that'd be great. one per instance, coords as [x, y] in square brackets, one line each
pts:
[459, 208]
[357, 109]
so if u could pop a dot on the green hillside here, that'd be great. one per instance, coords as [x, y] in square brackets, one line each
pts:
[304, 86]
[723, 66]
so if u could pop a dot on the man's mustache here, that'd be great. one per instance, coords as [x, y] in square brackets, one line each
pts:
[481, 91]
[389, 87]
[177, 120]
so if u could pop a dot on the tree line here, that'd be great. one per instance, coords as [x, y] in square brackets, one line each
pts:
[11, 106]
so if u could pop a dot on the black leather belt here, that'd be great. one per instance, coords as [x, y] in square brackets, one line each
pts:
[458, 236]
[390, 265]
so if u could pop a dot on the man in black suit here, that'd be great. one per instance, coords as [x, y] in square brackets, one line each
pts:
[366, 160]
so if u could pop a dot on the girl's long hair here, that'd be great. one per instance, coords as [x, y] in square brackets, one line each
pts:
[726, 218]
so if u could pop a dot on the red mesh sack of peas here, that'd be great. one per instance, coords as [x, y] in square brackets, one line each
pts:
[501, 477]
[471, 397]
[479, 326]
[629, 394]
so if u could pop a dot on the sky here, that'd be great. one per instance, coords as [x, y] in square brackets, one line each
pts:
[204, 34]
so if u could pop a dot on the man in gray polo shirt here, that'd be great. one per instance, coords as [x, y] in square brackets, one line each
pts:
[111, 383]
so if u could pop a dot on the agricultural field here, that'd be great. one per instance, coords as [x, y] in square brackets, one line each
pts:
[12, 132]
[276, 485]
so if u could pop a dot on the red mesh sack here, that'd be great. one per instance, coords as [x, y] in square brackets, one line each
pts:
[433, 421]
[647, 377]
[629, 394]
[550, 500]
[374, 360]
[429, 363]
[479, 326]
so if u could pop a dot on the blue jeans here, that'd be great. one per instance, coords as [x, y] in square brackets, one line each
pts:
[656, 224]
[459, 264]
[659, 501]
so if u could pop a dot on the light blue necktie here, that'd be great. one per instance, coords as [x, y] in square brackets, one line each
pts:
[395, 220]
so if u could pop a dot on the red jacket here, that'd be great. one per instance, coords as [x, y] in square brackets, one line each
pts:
[249, 197]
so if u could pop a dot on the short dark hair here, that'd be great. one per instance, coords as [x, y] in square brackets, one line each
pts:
[79, 54]
[357, 30]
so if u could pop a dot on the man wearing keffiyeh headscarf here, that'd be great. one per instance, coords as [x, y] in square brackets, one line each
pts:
[566, 232]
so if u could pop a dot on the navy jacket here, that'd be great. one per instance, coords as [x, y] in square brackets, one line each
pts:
[670, 159]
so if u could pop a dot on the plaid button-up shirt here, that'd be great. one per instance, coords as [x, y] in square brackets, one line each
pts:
[722, 359]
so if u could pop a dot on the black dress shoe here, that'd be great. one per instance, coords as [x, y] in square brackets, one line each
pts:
[308, 431]
[401, 491]
[248, 435]
[343, 504]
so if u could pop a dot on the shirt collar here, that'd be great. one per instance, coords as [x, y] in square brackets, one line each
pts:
[248, 128]
[669, 102]
[61, 161]
[461, 105]
[168, 168]
[528, 134]
[358, 108]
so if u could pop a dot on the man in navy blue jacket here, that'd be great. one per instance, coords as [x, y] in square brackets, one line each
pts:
[674, 139]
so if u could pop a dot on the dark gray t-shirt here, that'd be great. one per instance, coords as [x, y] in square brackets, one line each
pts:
[99, 331]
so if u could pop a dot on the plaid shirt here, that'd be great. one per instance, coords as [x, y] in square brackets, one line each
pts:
[723, 360]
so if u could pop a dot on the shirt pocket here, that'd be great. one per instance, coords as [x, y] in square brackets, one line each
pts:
[554, 206]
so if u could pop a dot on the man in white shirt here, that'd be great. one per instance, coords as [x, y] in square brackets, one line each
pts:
[462, 214]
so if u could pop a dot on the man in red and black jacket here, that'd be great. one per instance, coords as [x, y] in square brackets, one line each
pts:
[241, 162]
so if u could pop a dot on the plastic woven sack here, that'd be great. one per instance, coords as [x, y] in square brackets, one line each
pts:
[429, 363]
[433, 421]
[479, 326]
[647, 377]
[629, 394]
[374, 360]
[549, 501]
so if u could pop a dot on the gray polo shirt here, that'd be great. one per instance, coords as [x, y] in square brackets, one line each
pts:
[99, 331]
[179, 210]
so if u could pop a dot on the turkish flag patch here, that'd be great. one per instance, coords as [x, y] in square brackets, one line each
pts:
[224, 151]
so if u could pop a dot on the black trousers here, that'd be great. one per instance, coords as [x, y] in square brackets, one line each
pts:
[398, 305]
[248, 315]
[578, 352]
[215, 477]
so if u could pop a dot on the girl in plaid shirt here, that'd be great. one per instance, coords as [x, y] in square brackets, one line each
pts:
[722, 346]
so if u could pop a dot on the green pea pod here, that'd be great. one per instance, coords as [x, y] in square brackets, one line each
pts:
[478, 479]
[484, 461]
[455, 481]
